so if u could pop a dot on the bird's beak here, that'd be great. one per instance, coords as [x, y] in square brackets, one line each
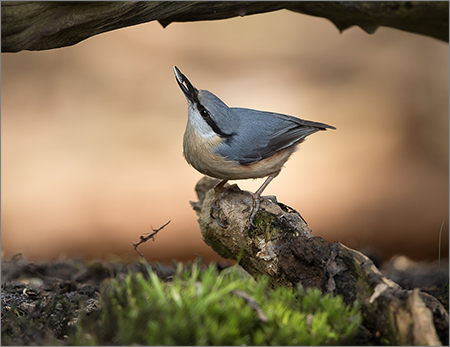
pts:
[188, 89]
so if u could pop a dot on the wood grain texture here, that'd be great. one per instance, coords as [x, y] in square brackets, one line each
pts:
[29, 25]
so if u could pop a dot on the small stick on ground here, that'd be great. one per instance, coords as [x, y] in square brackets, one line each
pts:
[252, 303]
[146, 238]
[202, 259]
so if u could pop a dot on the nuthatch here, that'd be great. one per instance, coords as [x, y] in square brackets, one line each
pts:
[238, 143]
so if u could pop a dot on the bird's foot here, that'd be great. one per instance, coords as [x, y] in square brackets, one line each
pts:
[256, 206]
[215, 207]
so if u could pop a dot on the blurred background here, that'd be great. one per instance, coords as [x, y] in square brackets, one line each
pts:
[91, 136]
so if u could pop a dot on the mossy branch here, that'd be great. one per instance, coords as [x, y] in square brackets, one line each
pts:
[283, 247]
[41, 25]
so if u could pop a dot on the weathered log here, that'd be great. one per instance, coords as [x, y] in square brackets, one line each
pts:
[40, 25]
[282, 246]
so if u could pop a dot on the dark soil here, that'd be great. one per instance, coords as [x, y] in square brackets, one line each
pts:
[41, 302]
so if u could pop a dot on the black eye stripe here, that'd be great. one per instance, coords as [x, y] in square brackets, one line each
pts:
[207, 117]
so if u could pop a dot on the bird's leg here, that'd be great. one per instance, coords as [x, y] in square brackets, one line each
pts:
[218, 188]
[215, 204]
[257, 197]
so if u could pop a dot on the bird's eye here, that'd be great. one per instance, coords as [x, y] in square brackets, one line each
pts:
[204, 113]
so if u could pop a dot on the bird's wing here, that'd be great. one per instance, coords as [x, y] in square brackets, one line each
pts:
[261, 134]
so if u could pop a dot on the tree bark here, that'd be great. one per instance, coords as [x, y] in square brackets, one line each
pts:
[40, 25]
[282, 246]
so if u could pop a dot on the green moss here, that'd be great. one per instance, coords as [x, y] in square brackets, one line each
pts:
[264, 222]
[204, 307]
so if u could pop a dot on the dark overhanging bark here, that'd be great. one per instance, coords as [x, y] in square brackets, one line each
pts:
[40, 25]
[283, 248]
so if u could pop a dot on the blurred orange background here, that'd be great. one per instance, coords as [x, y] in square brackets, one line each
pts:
[92, 135]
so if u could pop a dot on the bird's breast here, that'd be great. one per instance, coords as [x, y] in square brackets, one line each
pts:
[201, 153]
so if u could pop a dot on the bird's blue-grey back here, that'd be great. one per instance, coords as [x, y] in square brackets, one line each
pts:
[262, 134]
[251, 135]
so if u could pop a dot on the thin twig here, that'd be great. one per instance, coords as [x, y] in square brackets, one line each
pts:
[202, 259]
[146, 238]
[252, 303]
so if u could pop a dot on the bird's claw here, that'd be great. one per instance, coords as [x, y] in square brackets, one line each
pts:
[214, 206]
[256, 206]
[255, 209]
[220, 224]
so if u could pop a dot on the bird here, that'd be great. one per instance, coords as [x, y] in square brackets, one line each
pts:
[231, 143]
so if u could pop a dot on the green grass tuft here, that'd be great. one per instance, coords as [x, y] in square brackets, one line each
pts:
[204, 307]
